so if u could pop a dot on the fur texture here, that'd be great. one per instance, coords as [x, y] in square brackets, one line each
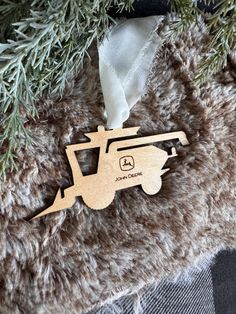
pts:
[76, 259]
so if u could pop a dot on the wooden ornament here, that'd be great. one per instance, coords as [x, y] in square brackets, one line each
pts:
[123, 163]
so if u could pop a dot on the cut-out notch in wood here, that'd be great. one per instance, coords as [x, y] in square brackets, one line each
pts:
[122, 164]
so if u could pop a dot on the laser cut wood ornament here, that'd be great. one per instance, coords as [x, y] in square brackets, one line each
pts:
[122, 164]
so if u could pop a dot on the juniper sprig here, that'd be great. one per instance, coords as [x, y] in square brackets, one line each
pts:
[41, 51]
[222, 29]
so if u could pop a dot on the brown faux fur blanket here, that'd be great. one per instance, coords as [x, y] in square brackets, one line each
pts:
[76, 259]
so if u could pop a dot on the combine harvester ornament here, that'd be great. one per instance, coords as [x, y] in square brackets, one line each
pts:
[122, 164]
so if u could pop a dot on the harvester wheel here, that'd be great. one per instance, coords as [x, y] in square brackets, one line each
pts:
[153, 186]
[98, 201]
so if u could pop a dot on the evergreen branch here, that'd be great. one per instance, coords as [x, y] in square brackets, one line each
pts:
[11, 12]
[187, 12]
[222, 27]
[48, 47]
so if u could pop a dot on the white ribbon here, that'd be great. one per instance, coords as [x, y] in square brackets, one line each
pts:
[125, 59]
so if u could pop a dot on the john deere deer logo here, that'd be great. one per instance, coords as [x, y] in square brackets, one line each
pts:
[126, 163]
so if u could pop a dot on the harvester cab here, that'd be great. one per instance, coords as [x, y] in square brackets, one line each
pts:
[99, 140]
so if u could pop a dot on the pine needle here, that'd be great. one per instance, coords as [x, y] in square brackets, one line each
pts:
[222, 29]
[45, 47]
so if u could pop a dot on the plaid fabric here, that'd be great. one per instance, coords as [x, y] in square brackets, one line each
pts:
[183, 296]
[209, 291]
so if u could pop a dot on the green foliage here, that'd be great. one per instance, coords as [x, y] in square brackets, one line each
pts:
[187, 15]
[44, 48]
[222, 29]
[222, 26]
